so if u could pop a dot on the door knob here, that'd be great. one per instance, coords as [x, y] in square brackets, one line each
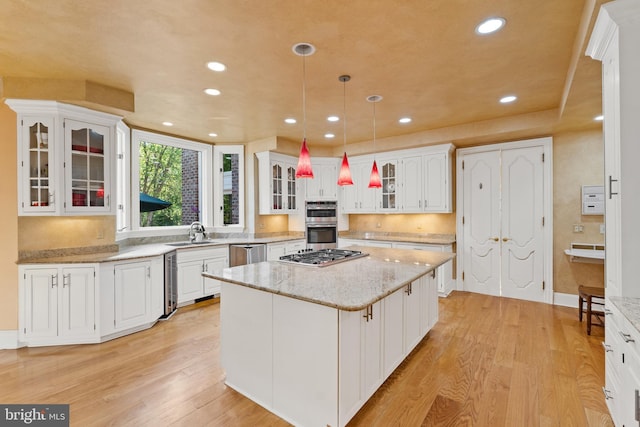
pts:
[495, 239]
[505, 239]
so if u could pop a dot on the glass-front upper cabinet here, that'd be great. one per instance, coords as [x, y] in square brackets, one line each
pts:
[86, 167]
[38, 164]
[389, 190]
[292, 193]
[276, 186]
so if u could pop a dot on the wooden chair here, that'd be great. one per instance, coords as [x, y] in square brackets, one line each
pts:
[588, 293]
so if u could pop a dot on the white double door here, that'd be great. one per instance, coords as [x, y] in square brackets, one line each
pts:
[503, 223]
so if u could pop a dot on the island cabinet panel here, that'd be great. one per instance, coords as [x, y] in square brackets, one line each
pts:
[360, 367]
[246, 342]
[393, 332]
[305, 362]
[412, 299]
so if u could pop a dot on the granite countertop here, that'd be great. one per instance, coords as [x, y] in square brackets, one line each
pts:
[115, 253]
[630, 308]
[351, 285]
[426, 238]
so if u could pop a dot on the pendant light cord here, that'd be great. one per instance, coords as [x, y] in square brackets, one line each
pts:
[304, 99]
[344, 105]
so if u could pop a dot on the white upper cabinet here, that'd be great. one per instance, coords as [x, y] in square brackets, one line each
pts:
[413, 181]
[65, 159]
[279, 189]
[323, 185]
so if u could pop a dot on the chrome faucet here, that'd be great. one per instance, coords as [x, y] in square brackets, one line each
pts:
[196, 229]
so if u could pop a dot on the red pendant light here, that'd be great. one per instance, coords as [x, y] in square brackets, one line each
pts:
[304, 169]
[345, 172]
[374, 179]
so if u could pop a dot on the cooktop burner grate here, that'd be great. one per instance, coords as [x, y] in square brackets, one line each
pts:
[322, 257]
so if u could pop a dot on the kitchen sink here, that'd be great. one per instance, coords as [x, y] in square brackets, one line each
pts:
[182, 244]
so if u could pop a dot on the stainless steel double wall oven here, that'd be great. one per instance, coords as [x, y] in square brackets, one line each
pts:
[321, 223]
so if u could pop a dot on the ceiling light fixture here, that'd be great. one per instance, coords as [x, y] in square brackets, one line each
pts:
[344, 178]
[290, 121]
[599, 118]
[167, 123]
[374, 179]
[329, 135]
[508, 99]
[333, 118]
[213, 135]
[490, 25]
[304, 169]
[404, 120]
[212, 92]
[216, 66]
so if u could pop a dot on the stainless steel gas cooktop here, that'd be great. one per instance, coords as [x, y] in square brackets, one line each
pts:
[322, 257]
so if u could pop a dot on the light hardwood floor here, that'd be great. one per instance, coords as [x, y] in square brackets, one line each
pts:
[489, 361]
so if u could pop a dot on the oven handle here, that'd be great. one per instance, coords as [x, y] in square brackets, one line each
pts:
[325, 225]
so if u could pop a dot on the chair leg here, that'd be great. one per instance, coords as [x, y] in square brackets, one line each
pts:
[588, 314]
[580, 303]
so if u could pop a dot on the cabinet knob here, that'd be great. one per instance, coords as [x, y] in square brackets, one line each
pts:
[607, 348]
[607, 394]
[626, 337]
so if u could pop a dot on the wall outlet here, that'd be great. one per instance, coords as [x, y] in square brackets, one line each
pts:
[578, 228]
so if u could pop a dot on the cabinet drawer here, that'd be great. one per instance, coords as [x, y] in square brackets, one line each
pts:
[202, 253]
[628, 336]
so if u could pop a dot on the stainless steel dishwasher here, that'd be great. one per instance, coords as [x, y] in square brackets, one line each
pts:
[246, 254]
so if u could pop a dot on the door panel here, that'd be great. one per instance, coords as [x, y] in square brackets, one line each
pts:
[77, 306]
[522, 229]
[482, 222]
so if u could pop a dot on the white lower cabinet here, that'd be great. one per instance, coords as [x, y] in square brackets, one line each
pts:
[268, 343]
[58, 304]
[131, 295]
[622, 368]
[191, 264]
[276, 250]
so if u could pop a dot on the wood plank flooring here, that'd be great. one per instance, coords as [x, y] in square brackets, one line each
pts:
[489, 361]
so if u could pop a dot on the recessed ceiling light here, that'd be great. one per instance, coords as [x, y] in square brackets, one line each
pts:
[405, 120]
[329, 135]
[490, 25]
[213, 135]
[216, 66]
[290, 120]
[599, 118]
[167, 123]
[508, 99]
[333, 118]
[212, 92]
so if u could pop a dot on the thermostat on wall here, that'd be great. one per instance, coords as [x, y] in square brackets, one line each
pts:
[593, 200]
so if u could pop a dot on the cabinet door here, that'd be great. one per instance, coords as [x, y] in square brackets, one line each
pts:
[388, 176]
[295, 246]
[38, 166]
[190, 282]
[132, 294]
[437, 193]
[40, 303]
[412, 300]
[77, 302]
[393, 336]
[275, 251]
[291, 189]
[87, 177]
[212, 286]
[412, 184]
[432, 301]
[372, 350]
[277, 198]
[350, 363]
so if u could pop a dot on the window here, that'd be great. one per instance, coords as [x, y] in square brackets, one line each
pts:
[229, 192]
[166, 183]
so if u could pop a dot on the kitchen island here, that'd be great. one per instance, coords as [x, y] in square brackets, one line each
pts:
[312, 344]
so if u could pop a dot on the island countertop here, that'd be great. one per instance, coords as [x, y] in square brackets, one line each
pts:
[350, 285]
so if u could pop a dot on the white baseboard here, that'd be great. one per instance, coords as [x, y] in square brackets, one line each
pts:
[9, 340]
[565, 300]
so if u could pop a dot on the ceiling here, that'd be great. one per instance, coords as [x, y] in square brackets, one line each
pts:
[423, 57]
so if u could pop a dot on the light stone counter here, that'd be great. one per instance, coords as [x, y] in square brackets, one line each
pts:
[350, 285]
[630, 308]
[426, 238]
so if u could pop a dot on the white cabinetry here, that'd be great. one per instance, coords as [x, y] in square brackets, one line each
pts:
[57, 304]
[131, 295]
[323, 186]
[276, 250]
[65, 159]
[444, 276]
[269, 342]
[622, 367]
[279, 190]
[413, 181]
[191, 264]
[614, 41]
